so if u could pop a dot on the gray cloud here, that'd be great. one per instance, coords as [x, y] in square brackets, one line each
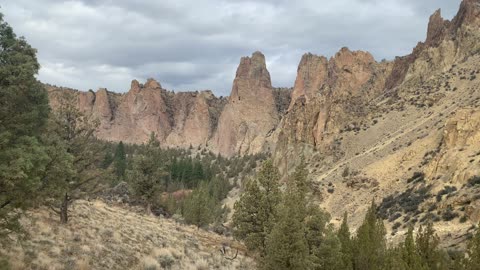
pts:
[196, 44]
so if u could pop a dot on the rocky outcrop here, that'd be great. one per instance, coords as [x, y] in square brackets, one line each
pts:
[446, 42]
[250, 115]
[456, 159]
[194, 122]
[176, 119]
[328, 95]
[312, 73]
[243, 124]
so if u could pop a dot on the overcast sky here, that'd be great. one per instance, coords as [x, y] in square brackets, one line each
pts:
[197, 44]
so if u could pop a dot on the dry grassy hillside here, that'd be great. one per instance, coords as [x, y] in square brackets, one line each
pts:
[101, 236]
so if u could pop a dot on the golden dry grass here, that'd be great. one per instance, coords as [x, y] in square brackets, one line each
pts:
[101, 236]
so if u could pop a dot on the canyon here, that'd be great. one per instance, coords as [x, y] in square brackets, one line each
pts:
[368, 130]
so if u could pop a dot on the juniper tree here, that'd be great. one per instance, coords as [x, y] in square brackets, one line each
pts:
[75, 131]
[23, 113]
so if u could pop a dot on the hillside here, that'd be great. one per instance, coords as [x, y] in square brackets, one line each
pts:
[103, 236]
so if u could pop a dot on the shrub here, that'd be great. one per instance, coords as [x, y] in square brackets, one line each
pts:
[473, 181]
[449, 214]
[396, 225]
[445, 190]
[417, 177]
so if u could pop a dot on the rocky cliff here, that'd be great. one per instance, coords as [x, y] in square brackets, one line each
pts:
[241, 124]
[250, 115]
[403, 133]
[369, 130]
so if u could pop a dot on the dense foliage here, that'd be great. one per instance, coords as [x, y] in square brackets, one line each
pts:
[302, 236]
[23, 116]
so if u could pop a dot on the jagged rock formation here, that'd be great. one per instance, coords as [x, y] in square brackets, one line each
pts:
[327, 95]
[177, 119]
[243, 124]
[446, 42]
[250, 115]
[368, 129]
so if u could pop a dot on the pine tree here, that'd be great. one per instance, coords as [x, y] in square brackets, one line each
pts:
[300, 178]
[472, 261]
[346, 243]
[199, 207]
[370, 243]
[248, 218]
[120, 160]
[427, 247]
[269, 178]
[147, 175]
[409, 253]
[24, 111]
[324, 245]
[76, 132]
[255, 211]
[286, 245]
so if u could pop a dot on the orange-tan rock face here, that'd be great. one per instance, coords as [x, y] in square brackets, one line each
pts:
[250, 115]
[193, 118]
[329, 95]
[460, 145]
[176, 119]
[243, 124]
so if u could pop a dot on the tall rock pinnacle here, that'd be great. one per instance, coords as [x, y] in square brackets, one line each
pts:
[250, 113]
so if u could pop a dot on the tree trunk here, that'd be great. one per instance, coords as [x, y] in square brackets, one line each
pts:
[64, 210]
[149, 208]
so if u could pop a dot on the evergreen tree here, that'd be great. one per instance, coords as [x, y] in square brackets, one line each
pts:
[346, 243]
[370, 243]
[472, 261]
[75, 131]
[248, 218]
[269, 178]
[199, 207]
[255, 211]
[197, 172]
[409, 253]
[120, 160]
[324, 245]
[107, 160]
[300, 179]
[147, 176]
[286, 245]
[427, 248]
[23, 113]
